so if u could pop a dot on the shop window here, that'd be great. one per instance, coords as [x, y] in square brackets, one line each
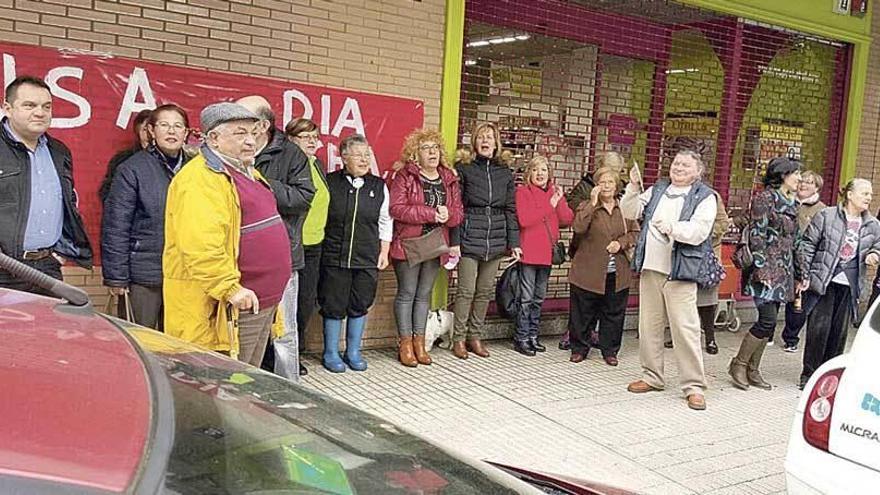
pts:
[573, 79]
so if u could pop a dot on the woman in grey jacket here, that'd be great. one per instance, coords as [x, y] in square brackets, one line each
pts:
[839, 243]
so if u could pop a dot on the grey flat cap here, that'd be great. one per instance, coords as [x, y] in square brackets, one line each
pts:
[220, 113]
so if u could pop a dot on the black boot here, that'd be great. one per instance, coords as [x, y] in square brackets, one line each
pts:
[536, 345]
[707, 321]
[523, 347]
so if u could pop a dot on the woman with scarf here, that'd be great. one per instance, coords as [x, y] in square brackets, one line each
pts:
[778, 271]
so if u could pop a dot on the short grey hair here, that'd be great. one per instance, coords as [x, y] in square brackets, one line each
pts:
[349, 141]
[265, 113]
[693, 154]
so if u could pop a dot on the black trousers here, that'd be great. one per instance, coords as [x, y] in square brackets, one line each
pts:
[307, 298]
[146, 306]
[766, 324]
[795, 320]
[707, 321]
[346, 292]
[48, 265]
[609, 309]
[827, 327]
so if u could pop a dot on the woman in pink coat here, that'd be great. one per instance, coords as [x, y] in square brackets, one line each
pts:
[541, 210]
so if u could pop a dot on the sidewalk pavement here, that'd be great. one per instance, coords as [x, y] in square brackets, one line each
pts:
[549, 414]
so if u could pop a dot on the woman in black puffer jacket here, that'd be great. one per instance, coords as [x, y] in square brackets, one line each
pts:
[133, 225]
[490, 231]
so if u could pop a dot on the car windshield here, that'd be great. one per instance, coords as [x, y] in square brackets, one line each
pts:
[240, 430]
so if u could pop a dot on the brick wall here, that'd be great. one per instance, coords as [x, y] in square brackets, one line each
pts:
[869, 133]
[393, 47]
[869, 140]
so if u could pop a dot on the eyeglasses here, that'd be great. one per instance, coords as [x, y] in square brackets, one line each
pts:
[168, 126]
[429, 147]
[358, 156]
[307, 137]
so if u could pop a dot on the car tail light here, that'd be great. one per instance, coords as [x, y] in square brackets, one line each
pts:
[820, 406]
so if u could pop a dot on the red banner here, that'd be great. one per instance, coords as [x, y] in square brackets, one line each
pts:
[96, 96]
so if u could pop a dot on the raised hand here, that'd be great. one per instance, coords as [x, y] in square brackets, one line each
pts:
[635, 175]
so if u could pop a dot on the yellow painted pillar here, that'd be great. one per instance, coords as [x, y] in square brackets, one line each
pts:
[449, 108]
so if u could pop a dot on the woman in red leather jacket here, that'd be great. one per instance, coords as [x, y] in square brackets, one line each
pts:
[425, 195]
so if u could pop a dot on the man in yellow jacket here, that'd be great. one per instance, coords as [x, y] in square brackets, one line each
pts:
[227, 254]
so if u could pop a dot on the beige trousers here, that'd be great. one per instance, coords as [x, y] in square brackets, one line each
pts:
[665, 302]
[254, 331]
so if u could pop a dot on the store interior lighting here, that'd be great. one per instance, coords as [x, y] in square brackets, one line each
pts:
[497, 41]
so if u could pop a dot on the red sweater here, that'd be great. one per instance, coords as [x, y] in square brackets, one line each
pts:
[264, 249]
[536, 215]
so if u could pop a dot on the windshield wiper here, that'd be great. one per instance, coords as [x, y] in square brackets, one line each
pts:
[73, 295]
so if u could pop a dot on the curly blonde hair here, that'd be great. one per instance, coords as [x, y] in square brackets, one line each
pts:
[410, 151]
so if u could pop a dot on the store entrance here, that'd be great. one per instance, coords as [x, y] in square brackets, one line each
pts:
[573, 79]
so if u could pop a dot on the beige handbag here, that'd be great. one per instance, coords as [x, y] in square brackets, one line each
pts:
[112, 307]
[425, 247]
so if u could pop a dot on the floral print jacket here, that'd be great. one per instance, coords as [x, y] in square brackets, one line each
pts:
[773, 238]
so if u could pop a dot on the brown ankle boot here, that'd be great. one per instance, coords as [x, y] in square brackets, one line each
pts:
[459, 350]
[405, 352]
[476, 346]
[739, 364]
[418, 345]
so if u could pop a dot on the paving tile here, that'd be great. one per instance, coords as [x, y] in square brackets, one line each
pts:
[578, 419]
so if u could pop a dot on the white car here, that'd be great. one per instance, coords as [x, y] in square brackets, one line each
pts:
[834, 447]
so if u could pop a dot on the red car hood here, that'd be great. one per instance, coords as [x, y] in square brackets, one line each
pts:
[76, 398]
[567, 483]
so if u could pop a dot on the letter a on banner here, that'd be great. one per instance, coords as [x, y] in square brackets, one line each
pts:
[138, 83]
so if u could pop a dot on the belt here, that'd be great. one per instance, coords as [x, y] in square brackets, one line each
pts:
[36, 255]
[487, 210]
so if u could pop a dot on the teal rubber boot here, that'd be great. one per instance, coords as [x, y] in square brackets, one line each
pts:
[331, 361]
[354, 334]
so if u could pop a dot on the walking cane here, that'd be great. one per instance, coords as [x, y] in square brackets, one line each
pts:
[232, 330]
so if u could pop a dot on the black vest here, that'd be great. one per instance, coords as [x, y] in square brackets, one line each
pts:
[351, 235]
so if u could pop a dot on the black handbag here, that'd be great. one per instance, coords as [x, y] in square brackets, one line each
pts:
[558, 249]
[507, 292]
[742, 257]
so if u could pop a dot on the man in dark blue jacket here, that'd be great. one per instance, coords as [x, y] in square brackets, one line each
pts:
[39, 221]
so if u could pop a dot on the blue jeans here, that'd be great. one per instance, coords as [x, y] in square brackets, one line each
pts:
[533, 288]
